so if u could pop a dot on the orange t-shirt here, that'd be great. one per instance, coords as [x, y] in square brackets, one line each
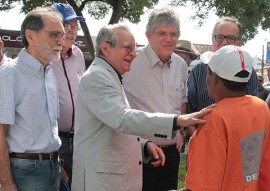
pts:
[231, 151]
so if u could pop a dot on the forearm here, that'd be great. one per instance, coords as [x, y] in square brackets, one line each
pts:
[1, 57]
[145, 155]
[183, 108]
[5, 171]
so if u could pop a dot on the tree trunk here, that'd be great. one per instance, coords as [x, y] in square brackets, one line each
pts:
[117, 9]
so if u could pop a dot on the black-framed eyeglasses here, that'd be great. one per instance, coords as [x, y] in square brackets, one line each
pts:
[229, 39]
[56, 35]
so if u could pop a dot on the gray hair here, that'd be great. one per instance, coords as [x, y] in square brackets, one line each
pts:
[108, 34]
[34, 20]
[229, 20]
[165, 15]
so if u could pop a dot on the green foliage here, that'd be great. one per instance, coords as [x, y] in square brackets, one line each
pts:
[182, 171]
[7, 4]
[121, 9]
[131, 10]
[29, 5]
[98, 10]
[251, 13]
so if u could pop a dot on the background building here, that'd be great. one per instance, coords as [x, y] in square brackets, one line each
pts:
[13, 44]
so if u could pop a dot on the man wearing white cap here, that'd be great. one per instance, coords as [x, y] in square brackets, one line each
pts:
[68, 71]
[231, 151]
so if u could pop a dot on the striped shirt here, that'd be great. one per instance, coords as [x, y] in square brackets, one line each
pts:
[197, 88]
[29, 104]
[154, 86]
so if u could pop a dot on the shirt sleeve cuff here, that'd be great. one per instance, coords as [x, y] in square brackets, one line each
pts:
[175, 127]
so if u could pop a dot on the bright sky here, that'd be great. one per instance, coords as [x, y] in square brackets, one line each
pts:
[189, 28]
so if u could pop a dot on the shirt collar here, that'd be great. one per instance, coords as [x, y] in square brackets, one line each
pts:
[32, 62]
[119, 75]
[69, 53]
[153, 57]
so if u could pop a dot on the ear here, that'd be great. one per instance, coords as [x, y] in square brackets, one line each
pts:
[148, 35]
[105, 48]
[30, 36]
[216, 80]
[213, 39]
[241, 42]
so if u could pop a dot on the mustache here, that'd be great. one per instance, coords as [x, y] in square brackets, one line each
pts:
[57, 48]
[70, 36]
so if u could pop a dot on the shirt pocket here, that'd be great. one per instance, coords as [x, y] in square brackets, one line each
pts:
[177, 94]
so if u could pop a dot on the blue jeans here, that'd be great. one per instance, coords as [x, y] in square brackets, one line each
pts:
[36, 175]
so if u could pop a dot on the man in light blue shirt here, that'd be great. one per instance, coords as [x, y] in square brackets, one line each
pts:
[29, 107]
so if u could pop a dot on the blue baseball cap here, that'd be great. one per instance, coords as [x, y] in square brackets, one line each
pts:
[67, 11]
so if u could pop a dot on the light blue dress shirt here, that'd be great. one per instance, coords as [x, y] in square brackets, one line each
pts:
[29, 103]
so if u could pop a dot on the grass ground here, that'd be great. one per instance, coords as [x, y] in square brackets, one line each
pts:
[182, 171]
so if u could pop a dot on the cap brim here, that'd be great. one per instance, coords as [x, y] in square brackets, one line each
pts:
[193, 55]
[80, 18]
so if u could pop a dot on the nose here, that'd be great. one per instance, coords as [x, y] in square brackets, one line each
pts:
[224, 42]
[168, 36]
[133, 52]
[61, 41]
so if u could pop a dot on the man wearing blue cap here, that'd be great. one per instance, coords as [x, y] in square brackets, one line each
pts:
[68, 71]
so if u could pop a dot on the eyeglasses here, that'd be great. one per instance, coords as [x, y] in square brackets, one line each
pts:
[127, 46]
[229, 39]
[161, 34]
[55, 35]
[71, 27]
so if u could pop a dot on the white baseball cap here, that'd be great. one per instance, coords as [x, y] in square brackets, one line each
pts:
[228, 61]
[206, 56]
